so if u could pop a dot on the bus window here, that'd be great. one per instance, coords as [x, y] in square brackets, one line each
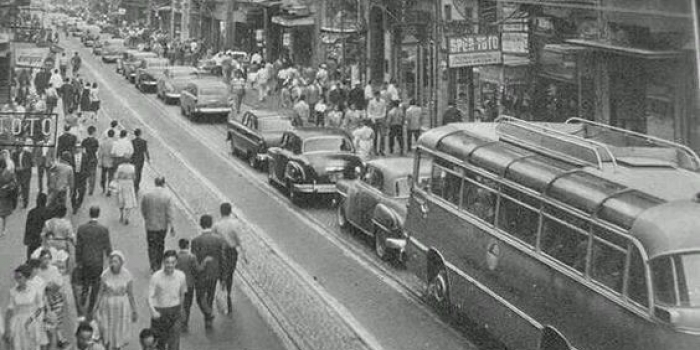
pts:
[477, 199]
[607, 264]
[516, 218]
[445, 184]
[564, 242]
[662, 276]
[687, 267]
[637, 282]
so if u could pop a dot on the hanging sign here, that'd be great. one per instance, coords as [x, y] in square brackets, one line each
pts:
[30, 57]
[474, 50]
[27, 129]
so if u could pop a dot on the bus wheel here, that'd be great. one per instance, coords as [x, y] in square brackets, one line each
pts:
[438, 290]
[380, 244]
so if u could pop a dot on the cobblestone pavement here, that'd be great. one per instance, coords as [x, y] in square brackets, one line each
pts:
[322, 294]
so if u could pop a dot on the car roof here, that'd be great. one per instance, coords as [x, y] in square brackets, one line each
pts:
[200, 83]
[394, 167]
[266, 113]
[313, 131]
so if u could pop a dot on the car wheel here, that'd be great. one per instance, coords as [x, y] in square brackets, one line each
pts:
[380, 244]
[341, 217]
[252, 161]
[438, 290]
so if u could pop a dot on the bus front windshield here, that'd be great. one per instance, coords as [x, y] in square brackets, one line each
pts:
[676, 280]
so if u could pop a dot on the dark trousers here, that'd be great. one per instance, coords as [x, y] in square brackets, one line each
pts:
[91, 178]
[41, 172]
[156, 248]
[229, 268]
[24, 178]
[411, 135]
[90, 287]
[379, 134]
[187, 305]
[137, 176]
[106, 177]
[395, 134]
[167, 328]
[78, 193]
[205, 290]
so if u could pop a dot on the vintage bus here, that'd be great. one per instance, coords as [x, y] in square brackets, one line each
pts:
[572, 235]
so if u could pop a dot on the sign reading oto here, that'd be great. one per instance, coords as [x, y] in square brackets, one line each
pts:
[474, 50]
[16, 129]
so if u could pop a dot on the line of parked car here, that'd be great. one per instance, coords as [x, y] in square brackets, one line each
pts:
[304, 162]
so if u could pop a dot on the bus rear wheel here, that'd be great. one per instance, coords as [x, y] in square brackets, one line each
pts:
[438, 291]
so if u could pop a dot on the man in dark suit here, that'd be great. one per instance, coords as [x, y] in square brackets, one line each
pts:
[24, 162]
[139, 157]
[208, 248]
[92, 247]
[80, 177]
[35, 223]
[91, 145]
[66, 142]
[43, 158]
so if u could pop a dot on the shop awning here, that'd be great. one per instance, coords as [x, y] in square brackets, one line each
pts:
[625, 50]
[286, 21]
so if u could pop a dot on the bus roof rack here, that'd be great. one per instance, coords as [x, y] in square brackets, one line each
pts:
[691, 161]
[554, 142]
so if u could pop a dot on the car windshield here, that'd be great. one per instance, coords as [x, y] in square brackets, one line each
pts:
[182, 73]
[271, 125]
[213, 91]
[676, 280]
[328, 144]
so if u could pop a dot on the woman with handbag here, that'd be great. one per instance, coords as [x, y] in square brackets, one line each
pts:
[8, 194]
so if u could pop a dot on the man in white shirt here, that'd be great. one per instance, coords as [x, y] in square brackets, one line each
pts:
[256, 58]
[166, 294]
[376, 112]
[228, 227]
[123, 149]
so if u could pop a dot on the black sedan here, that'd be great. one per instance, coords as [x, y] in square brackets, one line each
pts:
[311, 160]
[253, 132]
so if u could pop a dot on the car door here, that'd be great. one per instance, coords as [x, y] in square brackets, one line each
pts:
[250, 130]
[237, 131]
[188, 97]
[373, 182]
[290, 146]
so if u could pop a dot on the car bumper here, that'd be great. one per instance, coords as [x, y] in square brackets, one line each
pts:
[109, 59]
[172, 95]
[149, 83]
[212, 110]
[314, 188]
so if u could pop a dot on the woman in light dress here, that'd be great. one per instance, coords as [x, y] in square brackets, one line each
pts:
[53, 281]
[63, 235]
[126, 194]
[23, 318]
[116, 306]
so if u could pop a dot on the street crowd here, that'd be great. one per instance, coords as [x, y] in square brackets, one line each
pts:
[76, 265]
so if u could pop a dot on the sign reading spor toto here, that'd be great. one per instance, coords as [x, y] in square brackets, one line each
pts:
[474, 50]
[17, 129]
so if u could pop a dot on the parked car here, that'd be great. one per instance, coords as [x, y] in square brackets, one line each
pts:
[113, 50]
[253, 132]
[132, 64]
[172, 81]
[204, 96]
[147, 74]
[376, 203]
[99, 45]
[310, 160]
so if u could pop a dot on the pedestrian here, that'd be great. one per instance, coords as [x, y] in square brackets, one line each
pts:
[126, 196]
[5, 154]
[47, 243]
[122, 150]
[320, 112]
[23, 325]
[51, 99]
[147, 339]
[91, 146]
[24, 161]
[8, 194]
[36, 217]
[63, 64]
[237, 90]
[414, 122]
[335, 117]
[139, 157]
[106, 162]
[62, 230]
[116, 306]
[396, 121]
[54, 297]
[352, 119]
[84, 337]
[157, 212]
[66, 142]
[187, 263]
[207, 245]
[94, 102]
[166, 295]
[228, 228]
[376, 112]
[80, 176]
[76, 62]
[362, 138]
[85, 104]
[68, 93]
[301, 111]
[356, 96]
[93, 245]
[368, 92]
[60, 181]
[43, 158]
[452, 114]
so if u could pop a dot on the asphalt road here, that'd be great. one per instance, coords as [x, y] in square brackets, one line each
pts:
[380, 301]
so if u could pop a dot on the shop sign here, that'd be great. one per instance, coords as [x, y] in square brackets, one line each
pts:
[515, 43]
[474, 50]
[30, 57]
[17, 128]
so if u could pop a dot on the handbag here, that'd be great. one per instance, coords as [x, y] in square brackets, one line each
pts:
[113, 187]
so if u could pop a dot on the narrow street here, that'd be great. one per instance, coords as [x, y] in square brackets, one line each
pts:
[346, 290]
